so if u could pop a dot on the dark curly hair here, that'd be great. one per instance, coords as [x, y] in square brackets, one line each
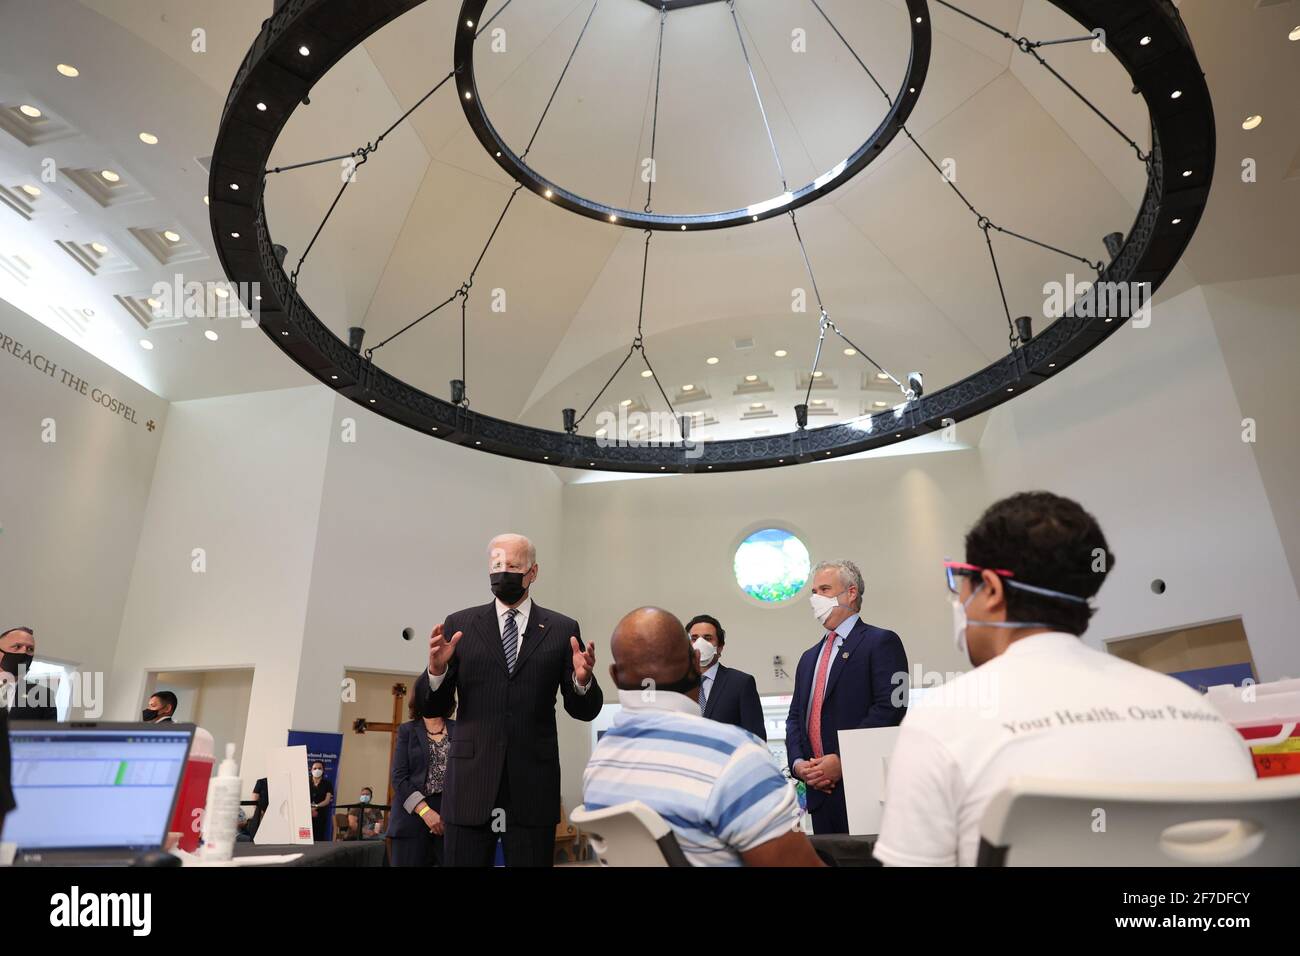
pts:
[1049, 542]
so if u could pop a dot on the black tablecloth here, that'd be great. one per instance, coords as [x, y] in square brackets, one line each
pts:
[840, 849]
[343, 853]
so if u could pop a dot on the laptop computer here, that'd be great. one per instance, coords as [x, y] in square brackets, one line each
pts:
[93, 793]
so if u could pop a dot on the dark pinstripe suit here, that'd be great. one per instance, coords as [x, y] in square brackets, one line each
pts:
[505, 723]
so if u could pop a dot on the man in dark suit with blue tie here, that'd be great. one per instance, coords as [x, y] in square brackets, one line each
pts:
[503, 663]
[845, 681]
[726, 694]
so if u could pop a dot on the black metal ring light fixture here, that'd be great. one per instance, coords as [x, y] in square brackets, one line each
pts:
[517, 168]
[303, 39]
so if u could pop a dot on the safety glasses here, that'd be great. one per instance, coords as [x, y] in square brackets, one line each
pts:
[960, 569]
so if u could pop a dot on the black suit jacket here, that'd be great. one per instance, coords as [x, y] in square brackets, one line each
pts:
[409, 772]
[30, 705]
[733, 699]
[505, 723]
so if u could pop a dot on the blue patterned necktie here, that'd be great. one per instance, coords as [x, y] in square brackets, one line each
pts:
[704, 694]
[510, 639]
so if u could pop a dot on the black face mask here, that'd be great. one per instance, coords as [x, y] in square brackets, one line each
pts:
[148, 715]
[688, 682]
[507, 586]
[11, 661]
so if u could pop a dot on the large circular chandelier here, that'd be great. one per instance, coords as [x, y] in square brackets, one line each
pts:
[305, 38]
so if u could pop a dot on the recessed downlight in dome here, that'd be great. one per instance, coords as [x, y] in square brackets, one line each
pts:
[110, 176]
[1252, 122]
[149, 139]
[30, 111]
[171, 235]
[68, 70]
[31, 190]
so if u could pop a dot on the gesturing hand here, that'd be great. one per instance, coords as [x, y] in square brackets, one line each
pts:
[441, 650]
[584, 662]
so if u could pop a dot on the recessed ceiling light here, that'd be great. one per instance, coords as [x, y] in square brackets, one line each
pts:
[235, 186]
[221, 293]
[257, 298]
[817, 374]
[68, 70]
[755, 404]
[1186, 173]
[31, 111]
[548, 194]
[146, 345]
[286, 333]
[879, 404]
[683, 228]
[335, 378]
[647, 373]
[149, 139]
[883, 376]
[1051, 365]
[626, 402]
[109, 175]
[171, 236]
[850, 351]
[600, 433]
[261, 107]
[1294, 35]
[613, 218]
[751, 378]
[1252, 122]
[234, 235]
[99, 247]
[210, 335]
[1145, 41]
[688, 388]
[780, 353]
[153, 303]
[304, 51]
[31, 191]
[712, 360]
[819, 401]
[205, 201]
[469, 95]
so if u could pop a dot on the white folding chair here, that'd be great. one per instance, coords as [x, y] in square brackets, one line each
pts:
[629, 834]
[1038, 822]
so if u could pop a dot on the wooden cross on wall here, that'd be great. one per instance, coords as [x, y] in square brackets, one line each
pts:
[361, 726]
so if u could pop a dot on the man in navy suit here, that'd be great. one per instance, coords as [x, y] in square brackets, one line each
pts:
[845, 681]
[726, 694]
[503, 664]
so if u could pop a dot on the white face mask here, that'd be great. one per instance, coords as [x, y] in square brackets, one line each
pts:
[318, 774]
[707, 652]
[959, 623]
[822, 606]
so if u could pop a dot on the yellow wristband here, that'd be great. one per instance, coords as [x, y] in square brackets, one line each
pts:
[423, 810]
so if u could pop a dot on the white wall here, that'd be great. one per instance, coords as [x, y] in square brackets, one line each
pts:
[70, 509]
[1146, 433]
[239, 477]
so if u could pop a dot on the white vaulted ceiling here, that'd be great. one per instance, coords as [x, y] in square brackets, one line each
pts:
[900, 263]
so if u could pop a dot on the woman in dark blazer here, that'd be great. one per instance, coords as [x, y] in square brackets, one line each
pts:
[419, 769]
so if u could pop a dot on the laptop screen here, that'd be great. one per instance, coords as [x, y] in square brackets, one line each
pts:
[94, 786]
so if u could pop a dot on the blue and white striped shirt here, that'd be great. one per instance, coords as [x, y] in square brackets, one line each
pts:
[716, 785]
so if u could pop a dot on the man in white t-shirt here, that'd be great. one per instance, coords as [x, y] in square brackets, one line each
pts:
[1039, 702]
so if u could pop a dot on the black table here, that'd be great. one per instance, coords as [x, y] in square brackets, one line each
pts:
[841, 849]
[341, 853]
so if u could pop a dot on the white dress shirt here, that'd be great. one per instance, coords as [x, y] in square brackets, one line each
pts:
[522, 613]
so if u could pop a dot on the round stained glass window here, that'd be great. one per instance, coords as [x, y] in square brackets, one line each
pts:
[772, 565]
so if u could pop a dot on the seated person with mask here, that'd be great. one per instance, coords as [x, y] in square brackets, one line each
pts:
[714, 784]
[1040, 702]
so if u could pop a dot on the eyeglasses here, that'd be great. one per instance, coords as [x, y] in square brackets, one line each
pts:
[956, 569]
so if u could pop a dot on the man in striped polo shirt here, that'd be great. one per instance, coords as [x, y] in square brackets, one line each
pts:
[716, 785]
